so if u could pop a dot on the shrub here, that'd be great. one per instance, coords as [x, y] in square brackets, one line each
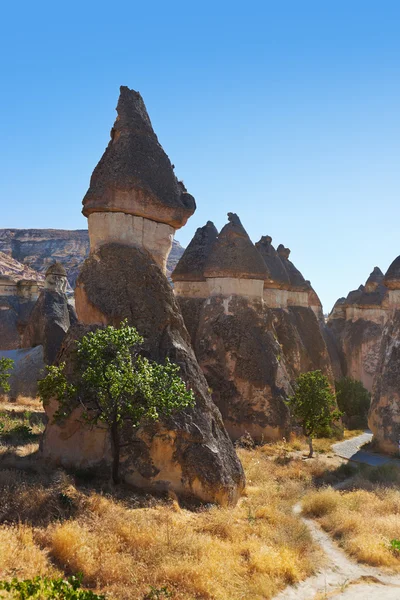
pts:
[354, 401]
[313, 404]
[44, 588]
[116, 385]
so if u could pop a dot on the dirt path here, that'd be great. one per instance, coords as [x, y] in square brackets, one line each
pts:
[342, 578]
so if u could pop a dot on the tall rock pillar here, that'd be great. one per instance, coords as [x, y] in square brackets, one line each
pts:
[134, 204]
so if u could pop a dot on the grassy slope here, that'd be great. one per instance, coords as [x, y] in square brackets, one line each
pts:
[56, 524]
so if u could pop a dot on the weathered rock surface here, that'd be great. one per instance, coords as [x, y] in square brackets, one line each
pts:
[51, 316]
[357, 324]
[18, 293]
[134, 175]
[38, 248]
[189, 453]
[251, 350]
[27, 369]
[384, 415]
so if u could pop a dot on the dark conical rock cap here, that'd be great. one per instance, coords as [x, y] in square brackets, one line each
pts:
[278, 276]
[375, 281]
[392, 277]
[296, 278]
[56, 269]
[376, 276]
[192, 262]
[234, 254]
[134, 175]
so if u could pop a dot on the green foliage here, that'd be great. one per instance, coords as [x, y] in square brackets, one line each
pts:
[353, 400]
[313, 403]
[6, 364]
[395, 546]
[15, 431]
[115, 384]
[44, 588]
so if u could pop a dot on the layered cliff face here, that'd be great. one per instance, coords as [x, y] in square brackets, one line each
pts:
[254, 326]
[357, 323]
[134, 204]
[384, 415]
[37, 249]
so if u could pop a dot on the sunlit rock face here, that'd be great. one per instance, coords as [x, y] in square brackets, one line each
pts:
[134, 196]
[384, 416]
[357, 323]
[133, 205]
[219, 285]
[255, 326]
[52, 315]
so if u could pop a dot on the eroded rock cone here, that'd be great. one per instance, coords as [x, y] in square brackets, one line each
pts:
[189, 453]
[134, 175]
[357, 323]
[232, 334]
[234, 254]
[384, 415]
[51, 316]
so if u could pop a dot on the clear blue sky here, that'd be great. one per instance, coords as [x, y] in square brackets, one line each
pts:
[286, 112]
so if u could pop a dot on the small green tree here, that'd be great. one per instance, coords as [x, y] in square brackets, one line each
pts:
[353, 400]
[116, 385]
[6, 364]
[313, 404]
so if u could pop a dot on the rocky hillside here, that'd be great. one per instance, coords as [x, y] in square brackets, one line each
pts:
[38, 248]
[16, 270]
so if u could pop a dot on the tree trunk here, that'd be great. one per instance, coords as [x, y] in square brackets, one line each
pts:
[310, 445]
[115, 451]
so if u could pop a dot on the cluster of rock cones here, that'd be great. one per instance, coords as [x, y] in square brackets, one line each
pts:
[241, 322]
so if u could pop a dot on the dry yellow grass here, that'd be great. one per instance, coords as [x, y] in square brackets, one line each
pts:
[249, 552]
[365, 518]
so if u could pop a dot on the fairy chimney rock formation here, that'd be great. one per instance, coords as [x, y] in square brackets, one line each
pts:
[285, 286]
[231, 332]
[134, 204]
[384, 415]
[51, 316]
[234, 266]
[357, 323]
[188, 275]
[134, 196]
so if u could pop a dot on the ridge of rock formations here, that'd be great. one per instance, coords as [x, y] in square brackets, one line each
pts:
[384, 414]
[38, 248]
[134, 204]
[357, 323]
[52, 315]
[250, 345]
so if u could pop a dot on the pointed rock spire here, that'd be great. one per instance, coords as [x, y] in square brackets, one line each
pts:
[374, 280]
[278, 277]
[192, 262]
[392, 277]
[234, 254]
[134, 175]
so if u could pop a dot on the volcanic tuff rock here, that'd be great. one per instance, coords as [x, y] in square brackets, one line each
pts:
[190, 452]
[250, 352]
[18, 294]
[134, 204]
[134, 175]
[384, 416]
[357, 324]
[51, 316]
[27, 369]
